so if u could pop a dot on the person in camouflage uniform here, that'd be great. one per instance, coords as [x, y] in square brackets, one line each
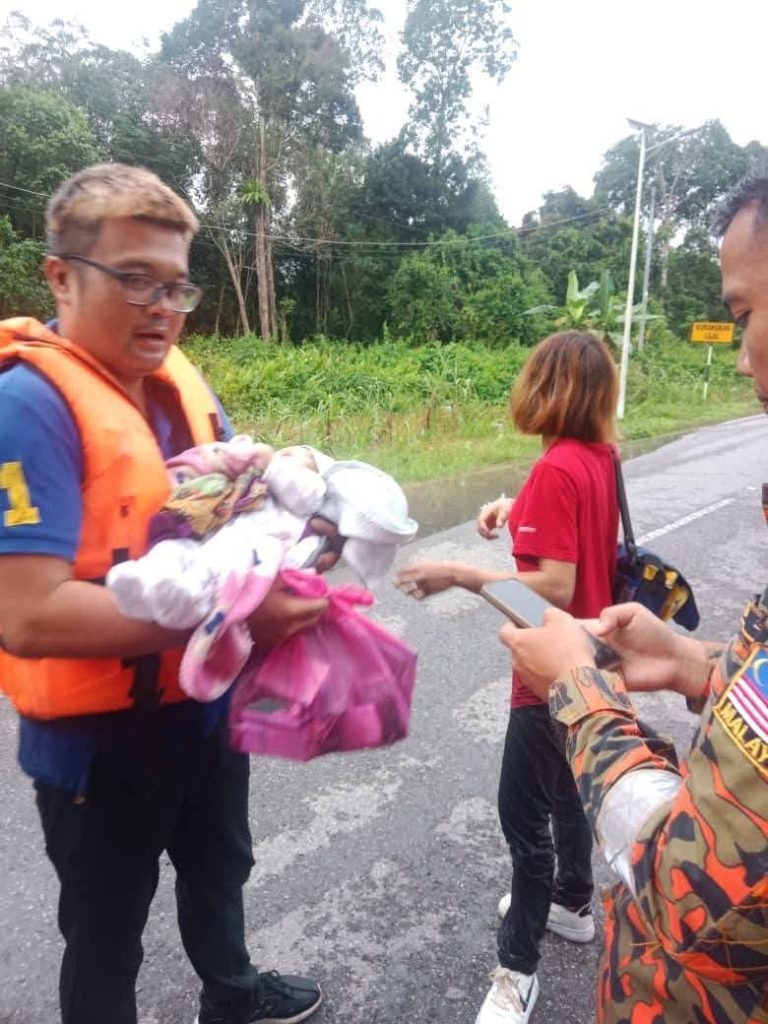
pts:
[686, 938]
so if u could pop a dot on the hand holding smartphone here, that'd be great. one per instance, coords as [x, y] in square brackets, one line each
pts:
[526, 609]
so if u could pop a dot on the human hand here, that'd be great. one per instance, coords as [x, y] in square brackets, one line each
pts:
[333, 546]
[422, 579]
[493, 516]
[281, 614]
[543, 654]
[653, 657]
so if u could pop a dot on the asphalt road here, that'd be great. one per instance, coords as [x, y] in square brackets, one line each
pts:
[379, 872]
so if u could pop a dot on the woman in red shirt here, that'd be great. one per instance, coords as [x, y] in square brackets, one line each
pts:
[564, 525]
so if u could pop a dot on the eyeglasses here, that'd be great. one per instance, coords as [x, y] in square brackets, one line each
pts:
[142, 290]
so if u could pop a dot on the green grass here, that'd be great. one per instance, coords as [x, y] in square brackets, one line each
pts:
[424, 412]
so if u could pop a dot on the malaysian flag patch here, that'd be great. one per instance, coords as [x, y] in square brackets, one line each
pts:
[743, 709]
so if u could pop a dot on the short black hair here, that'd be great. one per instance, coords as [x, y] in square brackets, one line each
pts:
[753, 188]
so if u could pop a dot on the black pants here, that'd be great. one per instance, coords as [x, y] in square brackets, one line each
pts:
[106, 851]
[536, 785]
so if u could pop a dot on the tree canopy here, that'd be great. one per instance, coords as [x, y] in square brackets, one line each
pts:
[248, 109]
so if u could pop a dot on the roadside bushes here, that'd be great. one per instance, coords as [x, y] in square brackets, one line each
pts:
[330, 382]
[257, 381]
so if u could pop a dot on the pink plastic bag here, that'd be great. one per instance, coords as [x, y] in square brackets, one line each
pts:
[345, 684]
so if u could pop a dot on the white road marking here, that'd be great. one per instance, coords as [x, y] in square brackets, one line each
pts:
[646, 537]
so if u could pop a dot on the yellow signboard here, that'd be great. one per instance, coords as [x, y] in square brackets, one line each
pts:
[712, 333]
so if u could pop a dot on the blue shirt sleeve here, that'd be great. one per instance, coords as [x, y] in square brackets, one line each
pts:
[40, 443]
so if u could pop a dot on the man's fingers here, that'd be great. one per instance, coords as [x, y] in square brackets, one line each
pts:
[554, 615]
[310, 609]
[282, 613]
[508, 634]
[618, 616]
[589, 624]
[304, 613]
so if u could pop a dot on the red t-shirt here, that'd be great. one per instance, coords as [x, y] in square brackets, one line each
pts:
[567, 510]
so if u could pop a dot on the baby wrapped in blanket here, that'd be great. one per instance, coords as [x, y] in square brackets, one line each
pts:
[237, 507]
[237, 516]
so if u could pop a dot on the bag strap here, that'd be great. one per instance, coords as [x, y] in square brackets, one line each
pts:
[626, 522]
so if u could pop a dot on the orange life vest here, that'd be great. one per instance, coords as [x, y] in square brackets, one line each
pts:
[124, 483]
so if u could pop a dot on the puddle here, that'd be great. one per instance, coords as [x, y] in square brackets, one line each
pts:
[440, 504]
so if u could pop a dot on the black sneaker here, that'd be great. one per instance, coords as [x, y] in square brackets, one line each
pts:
[278, 999]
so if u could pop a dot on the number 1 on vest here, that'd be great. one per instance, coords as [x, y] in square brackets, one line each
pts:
[13, 482]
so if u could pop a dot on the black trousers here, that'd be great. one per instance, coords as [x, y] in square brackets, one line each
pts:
[106, 851]
[536, 787]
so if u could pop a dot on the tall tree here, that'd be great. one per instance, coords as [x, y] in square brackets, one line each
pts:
[323, 280]
[120, 94]
[289, 84]
[43, 139]
[565, 205]
[447, 43]
[685, 177]
[369, 210]
[694, 291]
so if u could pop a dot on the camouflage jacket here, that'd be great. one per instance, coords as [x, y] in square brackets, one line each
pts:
[687, 926]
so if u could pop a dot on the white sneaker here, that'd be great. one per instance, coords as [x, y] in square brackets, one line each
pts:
[574, 925]
[512, 998]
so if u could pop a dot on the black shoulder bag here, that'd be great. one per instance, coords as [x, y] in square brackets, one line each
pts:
[644, 577]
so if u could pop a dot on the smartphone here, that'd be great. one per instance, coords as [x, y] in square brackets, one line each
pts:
[518, 602]
[526, 609]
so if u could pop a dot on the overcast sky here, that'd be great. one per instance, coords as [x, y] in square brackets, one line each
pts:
[582, 69]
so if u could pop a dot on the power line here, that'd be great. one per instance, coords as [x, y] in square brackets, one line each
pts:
[373, 246]
[372, 243]
[29, 191]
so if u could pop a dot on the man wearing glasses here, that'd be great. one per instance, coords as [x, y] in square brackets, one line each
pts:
[124, 766]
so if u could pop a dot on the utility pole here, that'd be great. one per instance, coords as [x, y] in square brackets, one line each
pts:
[647, 269]
[632, 269]
[625, 341]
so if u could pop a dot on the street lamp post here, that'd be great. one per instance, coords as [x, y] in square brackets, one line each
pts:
[626, 337]
[647, 270]
[632, 268]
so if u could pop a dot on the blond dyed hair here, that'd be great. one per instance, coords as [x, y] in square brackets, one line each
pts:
[568, 387]
[75, 213]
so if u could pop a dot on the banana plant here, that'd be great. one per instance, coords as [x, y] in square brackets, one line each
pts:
[596, 307]
[576, 311]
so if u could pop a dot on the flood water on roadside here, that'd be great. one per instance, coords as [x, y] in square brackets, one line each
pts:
[439, 504]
